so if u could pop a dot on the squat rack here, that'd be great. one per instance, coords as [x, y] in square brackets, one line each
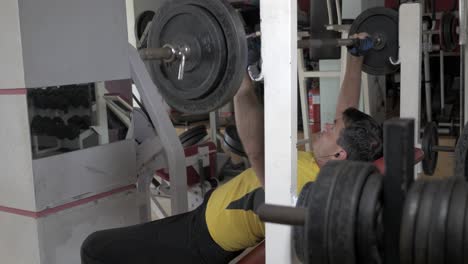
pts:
[279, 53]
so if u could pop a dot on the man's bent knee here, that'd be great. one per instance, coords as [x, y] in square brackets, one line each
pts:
[88, 249]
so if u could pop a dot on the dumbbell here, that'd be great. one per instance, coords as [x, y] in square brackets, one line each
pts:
[82, 122]
[37, 125]
[430, 146]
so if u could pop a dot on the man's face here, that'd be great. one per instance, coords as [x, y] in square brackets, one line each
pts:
[325, 146]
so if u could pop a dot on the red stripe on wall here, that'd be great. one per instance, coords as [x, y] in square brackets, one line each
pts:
[19, 91]
[66, 206]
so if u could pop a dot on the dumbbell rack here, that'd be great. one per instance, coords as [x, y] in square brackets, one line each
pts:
[77, 111]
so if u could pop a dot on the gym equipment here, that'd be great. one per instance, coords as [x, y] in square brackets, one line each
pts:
[82, 122]
[431, 225]
[193, 136]
[431, 147]
[433, 222]
[202, 53]
[448, 35]
[337, 218]
[382, 24]
[61, 98]
[232, 141]
[461, 157]
[56, 127]
[200, 68]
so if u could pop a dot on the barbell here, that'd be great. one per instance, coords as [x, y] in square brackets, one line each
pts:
[197, 50]
[431, 148]
[338, 218]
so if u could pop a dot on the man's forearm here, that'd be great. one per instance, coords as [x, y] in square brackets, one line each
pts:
[250, 126]
[351, 88]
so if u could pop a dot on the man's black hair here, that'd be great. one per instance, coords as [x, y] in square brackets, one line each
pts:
[361, 137]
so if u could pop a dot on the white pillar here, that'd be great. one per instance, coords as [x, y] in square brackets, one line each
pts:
[410, 57]
[463, 39]
[279, 53]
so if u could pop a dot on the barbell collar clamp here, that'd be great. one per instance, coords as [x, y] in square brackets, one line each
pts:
[284, 215]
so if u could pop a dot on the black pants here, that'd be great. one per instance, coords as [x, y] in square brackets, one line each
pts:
[181, 238]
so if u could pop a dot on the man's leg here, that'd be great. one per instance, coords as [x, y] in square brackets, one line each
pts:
[163, 241]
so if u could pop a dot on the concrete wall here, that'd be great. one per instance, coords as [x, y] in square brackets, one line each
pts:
[69, 41]
[11, 62]
[16, 178]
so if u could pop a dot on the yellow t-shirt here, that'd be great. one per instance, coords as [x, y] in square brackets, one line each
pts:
[230, 216]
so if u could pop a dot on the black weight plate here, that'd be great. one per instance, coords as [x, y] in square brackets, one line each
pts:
[437, 233]
[298, 231]
[193, 136]
[461, 157]
[382, 22]
[192, 26]
[448, 39]
[465, 235]
[194, 140]
[233, 142]
[368, 222]
[455, 35]
[343, 212]
[317, 219]
[142, 22]
[424, 223]
[186, 135]
[455, 223]
[215, 79]
[430, 139]
[442, 29]
[408, 223]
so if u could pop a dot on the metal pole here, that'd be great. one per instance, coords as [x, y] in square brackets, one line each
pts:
[165, 130]
[427, 76]
[463, 74]
[442, 82]
[462, 87]
[443, 148]
[165, 53]
[330, 12]
[317, 43]
[338, 11]
[214, 127]
[285, 215]
[304, 101]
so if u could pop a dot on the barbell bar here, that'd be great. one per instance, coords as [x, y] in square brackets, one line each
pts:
[170, 53]
[197, 50]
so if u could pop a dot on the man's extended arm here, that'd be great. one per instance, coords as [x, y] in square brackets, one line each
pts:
[250, 126]
[351, 88]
